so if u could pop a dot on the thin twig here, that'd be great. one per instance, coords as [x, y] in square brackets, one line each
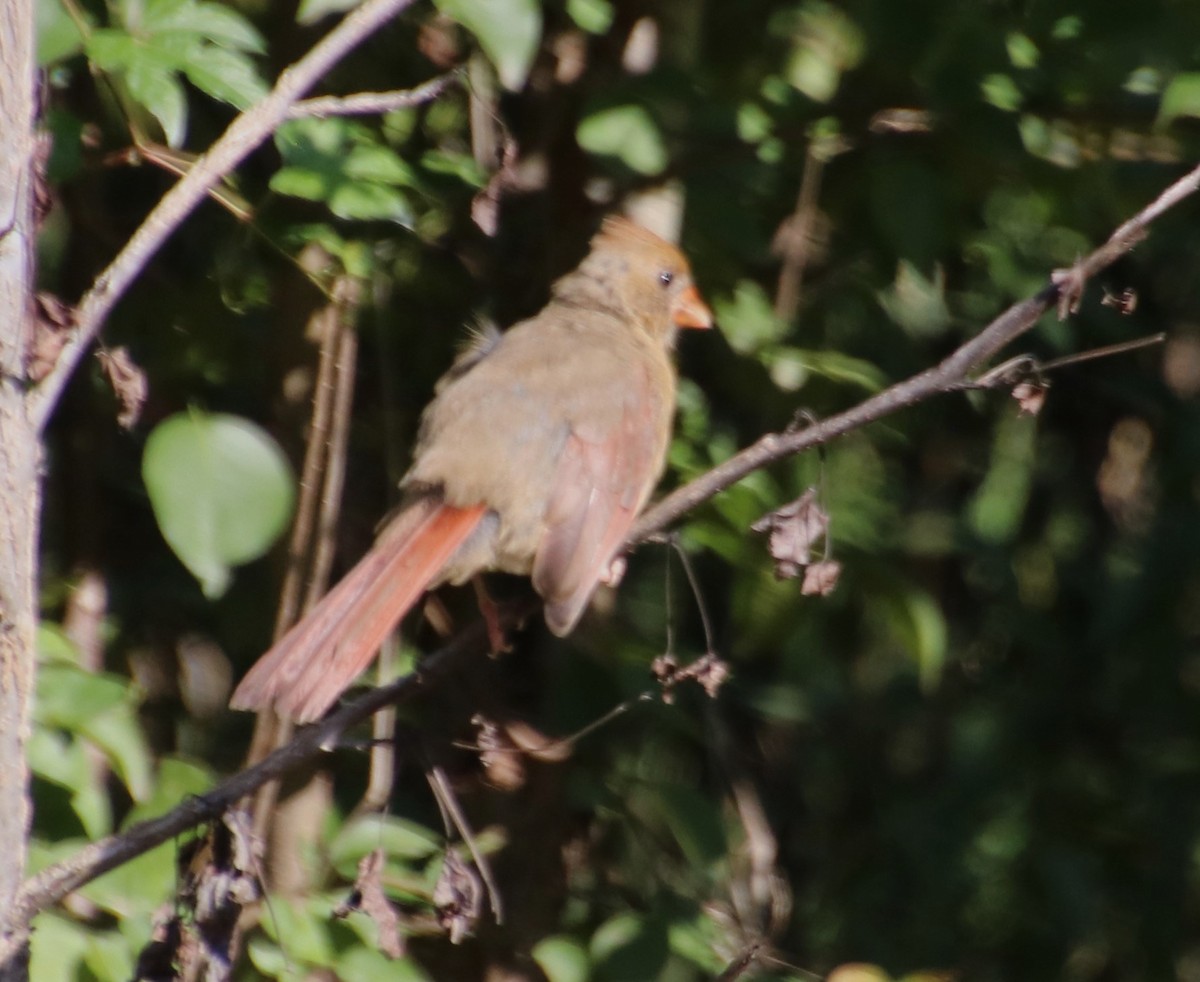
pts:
[347, 294]
[1008, 373]
[449, 804]
[372, 103]
[941, 378]
[244, 134]
[697, 594]
[1121, 348]
[796, 237]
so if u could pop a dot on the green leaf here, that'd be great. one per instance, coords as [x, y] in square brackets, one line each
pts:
[694, 819]
[593, 16]
[159, 91]
[300, 182]
[1180, 98]
[748, 319]
[826, 43]
[917, 302]
[370, 202]
[221, 490]
[138, 887]
[109, 958]
[370, 965]
[999, 504]
[303, 929]
[563, 959]
[1001, 91]
[379, 163]
[61, 760]
[312, 11]
[58, 34]
[461, 165]
[57, 948]
[1022, 52]
[839, 367]
[53, 645]
[628, 946]
[176, 780]
[99, 708]
[628, 133]
[508, 31]
[397, 837]
[218, 23]
[113, 50]
[344, 165]
[225, 75]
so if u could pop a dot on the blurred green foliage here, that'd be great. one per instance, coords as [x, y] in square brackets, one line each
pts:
[980, 754]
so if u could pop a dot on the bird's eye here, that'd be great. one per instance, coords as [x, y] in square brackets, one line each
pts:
[665, 277]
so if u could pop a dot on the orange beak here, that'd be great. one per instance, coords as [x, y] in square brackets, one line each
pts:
[690, 310]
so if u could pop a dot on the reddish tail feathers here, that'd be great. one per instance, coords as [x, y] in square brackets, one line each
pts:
[314, 663]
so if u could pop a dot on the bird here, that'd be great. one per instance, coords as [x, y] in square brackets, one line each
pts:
[537, 453]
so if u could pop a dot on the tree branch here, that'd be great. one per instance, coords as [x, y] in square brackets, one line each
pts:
[244, 134]
[944, 377]
[56, 881]
[373, 103]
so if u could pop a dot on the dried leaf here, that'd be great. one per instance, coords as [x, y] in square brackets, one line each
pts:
[217, 880]
[368, 896]
[1125, 302]
[1030, 396]
[821, 578]
[503, 763]
[457, 896]
[535, 743]
[902, 120]
[485, 208]
[52, 321]
[128, 382]
[709, 671]
[793, 529]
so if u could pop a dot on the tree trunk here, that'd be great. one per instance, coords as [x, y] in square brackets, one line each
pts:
[20, 490]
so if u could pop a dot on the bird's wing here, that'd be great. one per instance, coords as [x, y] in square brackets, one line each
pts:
[600, 484]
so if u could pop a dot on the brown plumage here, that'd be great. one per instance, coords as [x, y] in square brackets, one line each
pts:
[535, 457]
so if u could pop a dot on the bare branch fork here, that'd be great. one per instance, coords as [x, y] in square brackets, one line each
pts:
[55, 882]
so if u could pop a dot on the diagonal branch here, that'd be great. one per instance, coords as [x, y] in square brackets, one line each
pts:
[946, 376]
[372, 103]
[55, 882]
[244, 134]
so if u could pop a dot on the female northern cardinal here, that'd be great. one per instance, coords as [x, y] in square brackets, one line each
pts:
[535, 457]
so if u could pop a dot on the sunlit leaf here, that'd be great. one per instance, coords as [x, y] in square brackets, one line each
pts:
[1180, 98]
[158, 89]
[97, 707]
[397, 837]
[227, 76]
[221, 490]
[58, 33]
[562, 959]
[508, 31]
[748, 318]
[594, 16]
[216, 22]
[312, 11]
[628, 133]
